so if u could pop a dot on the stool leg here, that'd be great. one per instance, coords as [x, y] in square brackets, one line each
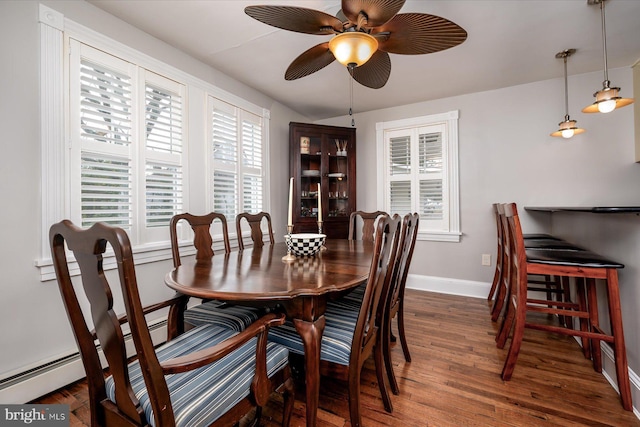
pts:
[564, 284]
[615, 315]
[584, 325]
[594, 323]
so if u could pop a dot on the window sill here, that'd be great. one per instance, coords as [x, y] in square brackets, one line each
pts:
[439, 236]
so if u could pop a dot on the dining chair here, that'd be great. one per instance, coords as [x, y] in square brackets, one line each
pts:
[395, 298]
[368, 221]
[351, 336]
[583, 265]
[236, 317]
[255, 224]
[210, 375]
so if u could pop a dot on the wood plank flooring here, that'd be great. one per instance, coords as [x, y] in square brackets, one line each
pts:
[454, 379]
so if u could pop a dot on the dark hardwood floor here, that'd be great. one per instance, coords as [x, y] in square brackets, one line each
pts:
[454, 379]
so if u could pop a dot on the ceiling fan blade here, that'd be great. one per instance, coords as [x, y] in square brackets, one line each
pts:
[375, 72]
[310, 61]
[377, 11]
[298, 19]
[419, 33]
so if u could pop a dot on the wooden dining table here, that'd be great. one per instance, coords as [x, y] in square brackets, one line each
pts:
[300, 288]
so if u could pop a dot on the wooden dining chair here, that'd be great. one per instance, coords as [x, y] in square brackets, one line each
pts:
[351, 336]
[236, 317]
[210, 375]
[395, 296]
[368, 221]
[255, 224]
[585, 266]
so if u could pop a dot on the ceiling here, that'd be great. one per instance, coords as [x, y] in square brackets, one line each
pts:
[510, 42]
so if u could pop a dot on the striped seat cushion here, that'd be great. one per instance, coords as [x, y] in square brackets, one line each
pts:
[235, 317]
[341, 318]
[201, 396]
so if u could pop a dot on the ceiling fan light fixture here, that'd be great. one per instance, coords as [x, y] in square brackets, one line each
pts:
[353, 48]
[607, 99]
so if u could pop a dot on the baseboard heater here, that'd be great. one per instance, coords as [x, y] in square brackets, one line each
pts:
[35, 382]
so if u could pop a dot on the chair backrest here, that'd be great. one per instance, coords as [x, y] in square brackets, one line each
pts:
[407, 243]
[380, 274]
[88, 247]
[202, 240]
[368, 220]
[515, 254]
[255, 223]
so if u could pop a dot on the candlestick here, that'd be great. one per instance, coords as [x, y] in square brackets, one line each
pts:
[289, 257]
[290, 210]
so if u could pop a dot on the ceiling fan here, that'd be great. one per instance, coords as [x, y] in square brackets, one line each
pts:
[364, 33]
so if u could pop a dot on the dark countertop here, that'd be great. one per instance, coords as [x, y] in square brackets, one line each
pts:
[596, 209]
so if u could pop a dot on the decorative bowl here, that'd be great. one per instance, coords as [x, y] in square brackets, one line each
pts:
[304, 244]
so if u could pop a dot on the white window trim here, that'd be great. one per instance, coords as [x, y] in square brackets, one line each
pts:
[450, 119]
[55, 200]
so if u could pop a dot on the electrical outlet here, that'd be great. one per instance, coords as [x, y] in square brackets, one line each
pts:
[486, 259]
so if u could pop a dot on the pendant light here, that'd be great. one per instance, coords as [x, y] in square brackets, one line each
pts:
[568, 127]
[607, 99]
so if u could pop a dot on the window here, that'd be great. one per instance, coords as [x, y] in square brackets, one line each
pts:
[420, 163]
[129, 140]
[237, 151]
[126, 138]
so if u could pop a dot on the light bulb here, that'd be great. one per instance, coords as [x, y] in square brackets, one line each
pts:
[607, 106]
[567, 133]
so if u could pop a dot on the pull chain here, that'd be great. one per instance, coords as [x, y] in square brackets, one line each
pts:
[353, 121]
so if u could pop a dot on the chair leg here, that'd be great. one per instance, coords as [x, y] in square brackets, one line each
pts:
[288, 395]
[494, 284]
[401, 332]
[620, 352]
[498, 302]
[386, 352]
[354, 397]
[379, 362]
[505, 326]
[519, 317]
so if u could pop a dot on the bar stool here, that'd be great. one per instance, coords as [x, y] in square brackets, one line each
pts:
[552, 285]
[584, 265]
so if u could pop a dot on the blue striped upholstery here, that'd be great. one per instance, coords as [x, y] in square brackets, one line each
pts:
[341, 318]
[234, 317]
[201, 396]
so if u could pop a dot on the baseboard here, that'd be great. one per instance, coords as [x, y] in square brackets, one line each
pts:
[47, 376]
[443, 285]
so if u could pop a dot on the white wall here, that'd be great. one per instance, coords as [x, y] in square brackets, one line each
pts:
[33, 325]
[506, 154]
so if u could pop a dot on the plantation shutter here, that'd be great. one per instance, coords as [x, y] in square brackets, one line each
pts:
[225, 159]
[252, 182]
[431, 203]
[163, 149]
[400, 173]
[104, 119]
[238, 160]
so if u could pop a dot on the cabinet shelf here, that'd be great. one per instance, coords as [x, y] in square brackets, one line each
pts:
[316, 147]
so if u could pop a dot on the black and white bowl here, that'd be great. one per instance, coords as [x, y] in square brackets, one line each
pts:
[304, 244]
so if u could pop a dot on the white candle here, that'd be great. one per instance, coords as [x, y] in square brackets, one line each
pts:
[319, 204]
[290, 211]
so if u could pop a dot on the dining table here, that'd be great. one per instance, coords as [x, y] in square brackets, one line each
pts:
[300, 288]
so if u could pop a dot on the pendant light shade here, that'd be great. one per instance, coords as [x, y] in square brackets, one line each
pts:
[607, 99]
[568, 127]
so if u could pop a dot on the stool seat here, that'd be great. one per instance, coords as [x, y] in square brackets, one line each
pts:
[570, 258]
[540, 236]
[551, 244]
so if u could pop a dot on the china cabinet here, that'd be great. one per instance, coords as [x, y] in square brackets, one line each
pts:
[323, 167]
